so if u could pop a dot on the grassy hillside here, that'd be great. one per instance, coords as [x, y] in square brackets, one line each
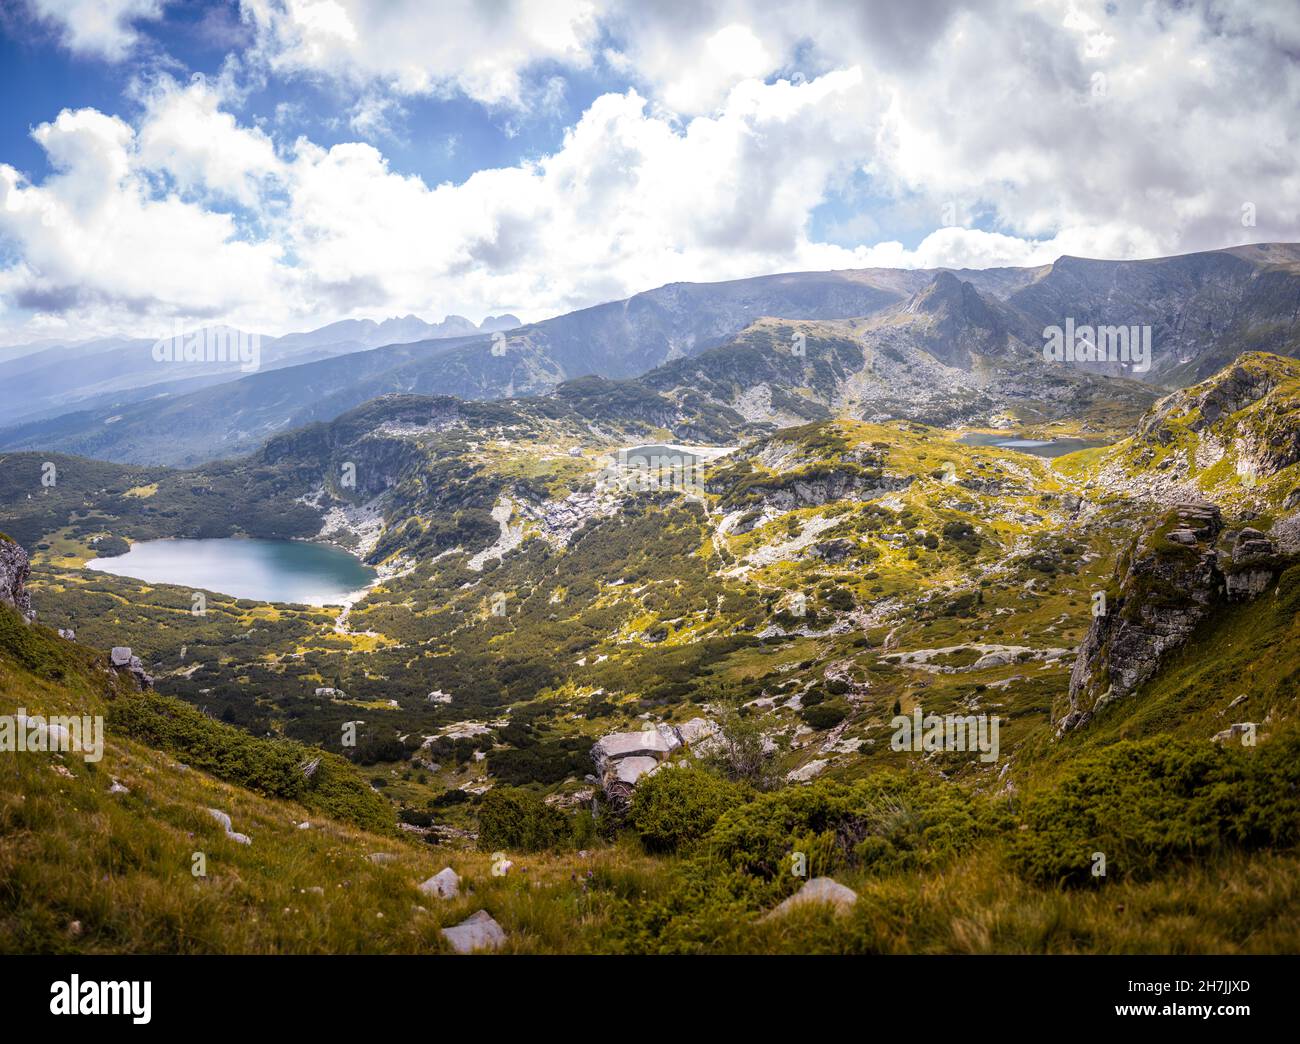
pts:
[938, 868]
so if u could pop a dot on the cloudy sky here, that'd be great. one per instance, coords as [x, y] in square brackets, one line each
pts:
[279, 164]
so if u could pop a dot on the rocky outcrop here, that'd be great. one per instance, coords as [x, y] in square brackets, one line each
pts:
[1253, 566]
[124, 661]
[14, 573]
[1168, 583]
[622, 758]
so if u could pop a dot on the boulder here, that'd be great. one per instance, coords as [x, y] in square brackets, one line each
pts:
[629, 770]
[823, 890]
[657, 742]
[445, 884]
[122, 659]
[805, 773]
[479, 932]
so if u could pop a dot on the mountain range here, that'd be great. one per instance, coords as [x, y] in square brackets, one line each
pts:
[938, 345]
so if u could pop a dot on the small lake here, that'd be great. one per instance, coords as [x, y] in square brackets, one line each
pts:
[264, 570]
[1038, 447]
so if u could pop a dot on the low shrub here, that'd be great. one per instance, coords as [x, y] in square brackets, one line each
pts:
[519, 820]
[677, 806]
[1144, 803]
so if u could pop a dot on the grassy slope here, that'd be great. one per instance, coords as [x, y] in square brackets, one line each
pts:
[120, 866]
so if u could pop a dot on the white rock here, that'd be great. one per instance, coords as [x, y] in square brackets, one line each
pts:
[806, 772]
[629, 770]
[819, 890]
[445, 884]
[695, 730]
[479, 932]
[117, 788]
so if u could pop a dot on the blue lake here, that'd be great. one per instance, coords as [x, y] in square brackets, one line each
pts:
[1038, 447]
[264, 570]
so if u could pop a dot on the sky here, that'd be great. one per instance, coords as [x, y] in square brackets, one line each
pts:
[281, 164]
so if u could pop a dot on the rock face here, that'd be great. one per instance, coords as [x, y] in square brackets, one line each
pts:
[1253, 565]
[479, 932]
[14, 573]
[622, 758]
[122, 659]
[1169, 582]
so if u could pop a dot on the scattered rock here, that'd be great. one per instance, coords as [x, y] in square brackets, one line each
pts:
[117, 788]
[445, 884]
[479, 932]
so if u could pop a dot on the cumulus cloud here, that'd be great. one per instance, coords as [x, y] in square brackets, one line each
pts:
[104, 28]
[416, 47]
[997, 135]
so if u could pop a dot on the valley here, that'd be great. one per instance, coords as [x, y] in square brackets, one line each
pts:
[649, 697]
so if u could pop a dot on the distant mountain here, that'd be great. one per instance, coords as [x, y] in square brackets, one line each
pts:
[105, 374]
[945, 346]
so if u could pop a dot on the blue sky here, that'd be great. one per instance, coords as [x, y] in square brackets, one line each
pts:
[284, 163]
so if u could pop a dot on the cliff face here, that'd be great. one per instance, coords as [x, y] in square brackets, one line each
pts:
[14, 573]
[1178, 574]
[1170, 582]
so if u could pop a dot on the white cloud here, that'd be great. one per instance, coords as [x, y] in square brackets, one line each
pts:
[416, 47]
[712, 169]
[98, 27]
[186, 134]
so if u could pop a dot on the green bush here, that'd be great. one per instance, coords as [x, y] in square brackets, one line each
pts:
[825, 715]
[678, 806]
[1144, 803]
[510, 818]
[886, 822]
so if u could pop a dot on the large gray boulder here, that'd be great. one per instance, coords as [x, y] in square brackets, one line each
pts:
[479, 932]
[622, 758]
[824, 890]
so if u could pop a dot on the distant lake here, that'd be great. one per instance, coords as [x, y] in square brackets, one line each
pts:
[1038, 447]
[264, 570]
